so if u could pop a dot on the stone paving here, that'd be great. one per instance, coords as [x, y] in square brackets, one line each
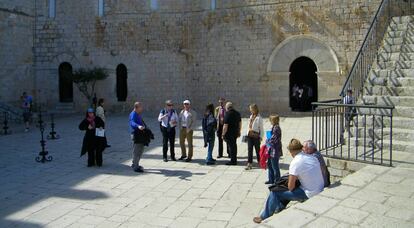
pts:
[65, 193]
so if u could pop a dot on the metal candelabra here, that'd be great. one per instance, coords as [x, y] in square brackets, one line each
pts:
[43, 154]
[52, 134]
[6, 130]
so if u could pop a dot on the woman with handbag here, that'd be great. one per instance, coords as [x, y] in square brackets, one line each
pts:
[94, 141]
[275, 150]
[254, 135]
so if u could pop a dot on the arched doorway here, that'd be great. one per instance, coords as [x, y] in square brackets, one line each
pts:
[65, 83]
[303, 84]
[121, 82]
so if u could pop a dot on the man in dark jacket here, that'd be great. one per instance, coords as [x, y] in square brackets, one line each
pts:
[231, 131]
[137, 127]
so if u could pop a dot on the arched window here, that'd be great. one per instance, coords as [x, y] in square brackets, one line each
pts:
[52, 8]
[65, 83]
[121, 82]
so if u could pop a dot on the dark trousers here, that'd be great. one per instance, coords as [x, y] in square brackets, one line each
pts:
[95, 156]
[220, 141]
[253, 142]
[168, 136]
[232, 144]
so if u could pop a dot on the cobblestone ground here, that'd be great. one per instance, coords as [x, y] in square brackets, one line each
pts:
[65, 193]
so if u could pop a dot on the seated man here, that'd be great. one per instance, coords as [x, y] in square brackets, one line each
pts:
[309, 147]
[306, 169]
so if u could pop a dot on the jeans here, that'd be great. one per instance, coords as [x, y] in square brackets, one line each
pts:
[253, 142]
[168, 136]
[277, 201]
[184, 134]
[210, 150]
[273, 169]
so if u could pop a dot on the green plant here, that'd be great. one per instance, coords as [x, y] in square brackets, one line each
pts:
[85, 80]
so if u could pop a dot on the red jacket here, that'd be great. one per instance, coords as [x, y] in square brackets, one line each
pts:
[264, 156]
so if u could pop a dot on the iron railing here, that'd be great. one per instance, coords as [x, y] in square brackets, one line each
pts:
[367, 53]
[360, 133]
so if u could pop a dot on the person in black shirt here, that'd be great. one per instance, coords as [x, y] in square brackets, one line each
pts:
[231, 131]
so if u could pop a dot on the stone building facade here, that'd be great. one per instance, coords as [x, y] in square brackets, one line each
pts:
[197, 49]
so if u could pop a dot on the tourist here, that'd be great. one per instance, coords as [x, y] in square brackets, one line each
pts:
[209, 130]
[100, 112]
[309, 147]
[231, 131]
[275, 150]
[27, 102]
[137, 127]
[255, 134]
[219, 114]
[306, 169]
[350, 111]
[186, 124]
[168, 119]
[93, 141]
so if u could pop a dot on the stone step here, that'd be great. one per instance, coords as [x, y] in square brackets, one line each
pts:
[403, 26]
[373, 80]
[391, 65]
[404, 48]
[402, 73]
[394, 56]
[399, 34]
[404, 111]
[398, 40]
[398, 134]
[388, 91]
[404, 101]
[402, 19]
[404, 146]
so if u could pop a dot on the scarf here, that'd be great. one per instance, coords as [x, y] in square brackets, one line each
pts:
[91, 121]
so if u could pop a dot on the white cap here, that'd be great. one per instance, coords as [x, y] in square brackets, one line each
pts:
[186, 102]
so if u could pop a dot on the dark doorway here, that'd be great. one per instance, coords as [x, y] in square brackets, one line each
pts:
[121, 82]
[65, 83]
[303, 84]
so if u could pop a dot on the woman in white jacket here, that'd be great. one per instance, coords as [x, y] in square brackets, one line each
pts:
[255, 134]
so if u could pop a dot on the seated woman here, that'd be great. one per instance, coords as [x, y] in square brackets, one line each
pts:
[306, 169]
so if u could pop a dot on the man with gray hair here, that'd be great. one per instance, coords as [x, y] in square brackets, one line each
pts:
[309, 147]
[231, 131]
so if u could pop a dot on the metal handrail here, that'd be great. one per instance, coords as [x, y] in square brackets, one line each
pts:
[324, 103]
[367, 53]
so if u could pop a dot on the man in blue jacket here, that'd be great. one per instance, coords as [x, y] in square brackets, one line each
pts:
[136, 124]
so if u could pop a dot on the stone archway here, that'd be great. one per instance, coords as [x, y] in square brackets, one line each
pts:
[121, 82]
[323, 65]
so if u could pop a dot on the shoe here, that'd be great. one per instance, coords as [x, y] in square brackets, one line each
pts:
[90, 165]
[165, 160]
[231, 163]
[139, 170]
[214, 160]
[220, 156]
[268, 182]
[248, 167]
[188, 160]
[173, 159]
[182, 158]
[210, 163]
[257, 220]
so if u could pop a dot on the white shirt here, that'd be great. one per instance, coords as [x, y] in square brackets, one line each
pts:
[308, 170]
[184, 118]
[257, 125]
[173, 119]
[100, 112]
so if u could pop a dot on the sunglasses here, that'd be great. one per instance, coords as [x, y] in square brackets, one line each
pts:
[170, 105]
[186, 104]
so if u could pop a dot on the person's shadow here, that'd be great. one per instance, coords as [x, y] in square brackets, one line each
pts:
[181, 174]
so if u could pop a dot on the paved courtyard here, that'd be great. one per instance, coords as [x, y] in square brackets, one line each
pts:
[65, 193]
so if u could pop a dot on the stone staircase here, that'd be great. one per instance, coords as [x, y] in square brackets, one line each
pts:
[391, 82]
[13, 114]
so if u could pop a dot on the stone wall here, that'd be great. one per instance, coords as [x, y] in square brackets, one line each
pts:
[185, 50]
[16, 56]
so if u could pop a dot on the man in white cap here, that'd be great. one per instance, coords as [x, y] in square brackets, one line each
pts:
[186, 124]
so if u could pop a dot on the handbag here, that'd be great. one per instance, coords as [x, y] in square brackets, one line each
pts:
[244, 138]
[253, 134]
[282, 184]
